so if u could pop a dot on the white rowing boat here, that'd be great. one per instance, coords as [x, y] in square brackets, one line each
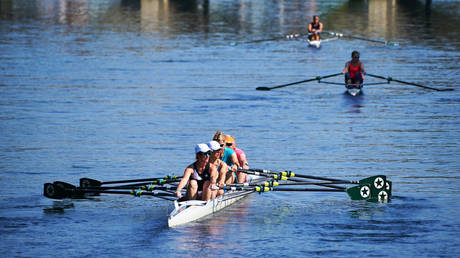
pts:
[354, 89]
[188, 211]
[317, 43]
[314, 43]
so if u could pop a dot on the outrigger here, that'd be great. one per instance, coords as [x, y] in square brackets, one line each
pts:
[326, 36]
[352, 89]
[372, 189]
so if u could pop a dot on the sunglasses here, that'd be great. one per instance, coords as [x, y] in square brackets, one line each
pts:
[356, 57]
[204, 154]
[229, 144]
[222, 145]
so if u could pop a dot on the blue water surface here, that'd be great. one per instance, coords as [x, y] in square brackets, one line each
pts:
[117, 89]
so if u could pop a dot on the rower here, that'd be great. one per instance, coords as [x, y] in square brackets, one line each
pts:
[242, 160]
[217, 164]
[315, 28]
[228, 156]
[198, 176]
[354, 70]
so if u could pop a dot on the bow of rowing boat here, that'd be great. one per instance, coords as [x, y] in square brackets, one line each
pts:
[188, 211]
[314, 43]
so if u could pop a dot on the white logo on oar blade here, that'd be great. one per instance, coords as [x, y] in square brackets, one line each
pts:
[383, 196]
[379, 183]
[365, 191]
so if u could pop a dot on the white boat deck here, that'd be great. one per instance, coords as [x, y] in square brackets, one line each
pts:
[188, 211]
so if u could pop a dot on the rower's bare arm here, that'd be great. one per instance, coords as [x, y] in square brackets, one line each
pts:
[244, 161]
[214, 174]
[222, 173]
[188, 171]
[235, 162]
[309, 28]
[362, 68]
[223, 168]
[346, 67]
[320, 27]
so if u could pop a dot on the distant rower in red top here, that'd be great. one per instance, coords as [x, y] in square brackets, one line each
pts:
[354, 70]
[315, 28]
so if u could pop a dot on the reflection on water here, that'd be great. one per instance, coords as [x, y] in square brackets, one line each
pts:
[213, 231]
[353, 104]
[408, 21]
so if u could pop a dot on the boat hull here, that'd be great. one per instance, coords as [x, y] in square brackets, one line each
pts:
[354, 90]
[188, 211]
[314, 43]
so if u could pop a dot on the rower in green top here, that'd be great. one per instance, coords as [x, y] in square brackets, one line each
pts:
[315, 28]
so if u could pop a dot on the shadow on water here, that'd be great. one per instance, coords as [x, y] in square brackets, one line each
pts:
[353, 104]
[58, 207]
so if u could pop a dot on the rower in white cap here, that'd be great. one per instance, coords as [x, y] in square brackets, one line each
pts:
[198, 175]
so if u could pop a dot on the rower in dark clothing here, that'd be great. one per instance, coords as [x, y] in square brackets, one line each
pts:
[315, 28]
[198, 176]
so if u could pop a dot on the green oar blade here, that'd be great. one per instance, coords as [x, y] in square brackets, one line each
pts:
[383, 195]
[377, 182]
[389, 187]
[379, 186]
[392, 43]
[359, 192]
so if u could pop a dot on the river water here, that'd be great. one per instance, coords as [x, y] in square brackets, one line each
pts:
[116, 89]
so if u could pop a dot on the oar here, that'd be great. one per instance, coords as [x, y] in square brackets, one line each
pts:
[288, 36]
[148, 187]
[408, 83]
[86, 182]
[290, 174]
[268, 189]
[279, 176]
[389, 43]
[293, 83]
[62, 190]
[298, 190]
[143, 185]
